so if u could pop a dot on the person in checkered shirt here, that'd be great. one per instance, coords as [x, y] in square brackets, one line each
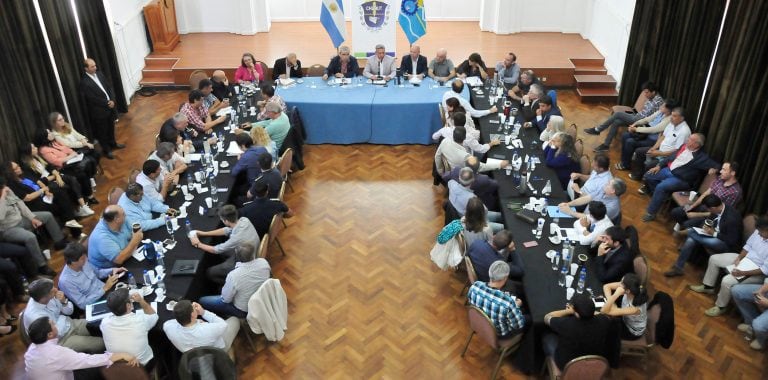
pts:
[501, 307]
[726, 187]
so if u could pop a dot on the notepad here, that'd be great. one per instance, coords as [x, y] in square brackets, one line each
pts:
[745, 265]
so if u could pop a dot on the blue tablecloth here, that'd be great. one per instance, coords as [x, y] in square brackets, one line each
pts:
[366, 113]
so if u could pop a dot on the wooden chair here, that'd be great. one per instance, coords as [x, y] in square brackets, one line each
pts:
[583, 367]
[121, 371]
[274, 229]
[641, 269]
[114, 195]
[442, 113]
[643, 345]
[471, 274]
[481, 325]
[573, 130]
[446, 164]
[263, 247]
[681, 198]
[196, 77]
[749, 225]
[23, 334]
[206, 363]
[266, 71]
[316, 70]
[586, 164]
[462, 243]
[639, 104]
[284, 166]
[578, 144]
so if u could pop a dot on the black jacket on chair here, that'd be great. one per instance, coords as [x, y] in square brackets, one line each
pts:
[406, 65]
[279, 69]
[730, 225]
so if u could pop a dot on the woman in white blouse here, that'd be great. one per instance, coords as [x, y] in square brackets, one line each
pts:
[66, 135]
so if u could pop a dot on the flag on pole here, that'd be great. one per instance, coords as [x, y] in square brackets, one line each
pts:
[411, 19]
[332, 18]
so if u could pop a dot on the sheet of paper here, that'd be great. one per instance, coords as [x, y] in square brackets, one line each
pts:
[48, 199]
[493, 162]
[138, 254]
[75, 159]
[233, 149]
[701, 231]
[554, 212]
[569, 233]
[744, 265]
[224, 111]
[195, 156]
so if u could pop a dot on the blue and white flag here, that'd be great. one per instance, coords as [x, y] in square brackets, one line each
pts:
[411, 19]
[332, 18]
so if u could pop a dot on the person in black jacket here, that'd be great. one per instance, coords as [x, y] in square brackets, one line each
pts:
[680, 171]
[723, 234]
[342, 66]
[483, 253]
[414, 64]
[614, 258]
[473, 67]
[282, 67]
[100, 103]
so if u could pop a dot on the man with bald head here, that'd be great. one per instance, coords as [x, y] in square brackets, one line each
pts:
[441, 68]
[221, 89]
[112, 241]
[287, 67]
[99, 97]
[414, 65]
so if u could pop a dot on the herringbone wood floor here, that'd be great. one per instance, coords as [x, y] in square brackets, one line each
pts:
[365, 301]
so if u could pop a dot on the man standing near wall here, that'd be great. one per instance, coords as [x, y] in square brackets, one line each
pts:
[99, 99]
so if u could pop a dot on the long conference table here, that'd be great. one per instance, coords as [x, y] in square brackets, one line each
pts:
[366, 113]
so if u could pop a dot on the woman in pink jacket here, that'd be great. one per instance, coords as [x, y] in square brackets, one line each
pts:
[249, 71]
[58, 156]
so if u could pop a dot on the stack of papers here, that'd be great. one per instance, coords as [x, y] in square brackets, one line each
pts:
[75, 159]
[224, 111]
[473, 81]
[745, 265]
[233, 149]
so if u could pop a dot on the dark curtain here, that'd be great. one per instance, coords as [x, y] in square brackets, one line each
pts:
[68, 54]
[99, 45]
[29, 85]
[734, 116]
[671, 43]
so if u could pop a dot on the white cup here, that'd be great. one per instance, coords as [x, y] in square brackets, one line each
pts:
[569, 293]
[503, 118]
[151, 274]
[209, 202]
[692, 196]
[574, 268]
[568, 281]
[550, 254]
[185, 190]
[199, 187]
[553, 228]
[159, 269]
[198, 176]
[174, 223]
[159, 292]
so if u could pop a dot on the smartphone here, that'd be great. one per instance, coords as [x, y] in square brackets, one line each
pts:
[600, 299]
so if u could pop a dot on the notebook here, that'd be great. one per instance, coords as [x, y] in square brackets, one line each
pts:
[184, 267]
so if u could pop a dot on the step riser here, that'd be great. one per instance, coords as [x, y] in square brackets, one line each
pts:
[599, 99]
[590, 72]
[587, 61]
[606, 85]
[159, 63]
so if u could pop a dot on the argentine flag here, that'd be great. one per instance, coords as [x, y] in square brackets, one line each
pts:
[332, 18]
[412, 19]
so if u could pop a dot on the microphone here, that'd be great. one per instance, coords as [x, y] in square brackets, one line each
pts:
[381, 73]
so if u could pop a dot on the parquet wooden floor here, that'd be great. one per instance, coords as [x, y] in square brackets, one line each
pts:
[365, 301]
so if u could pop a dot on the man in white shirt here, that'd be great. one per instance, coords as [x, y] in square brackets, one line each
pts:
[675, 134]
[457, 87]
[187, 332]
[99, 98]
[155, 186]
[170, 161]
[414, 65]
[454, 153]
[380, 65]
[592, 224]
[126, 330]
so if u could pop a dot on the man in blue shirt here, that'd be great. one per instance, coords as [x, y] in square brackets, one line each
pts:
[501, 307]
[80, 281]
[112, 241]
[277, 123]
[139, 209]
[483, 254]
[249, 160]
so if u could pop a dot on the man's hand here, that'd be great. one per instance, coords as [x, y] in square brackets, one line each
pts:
[584, 221]
[712, 171]
[494, 142]
[708, 230]
[575, 176]
[325, 76]
[737, 273]
[654, 170]
[603, 248]
[137, 237]
[111, 281]
[137, 297]
[60, 296]
[538, 112]
[199, 309]
[36, 222]
[563, 207]
[111, 104]
[519, 302]
[194, 240]
[737, 261]
[493, 109]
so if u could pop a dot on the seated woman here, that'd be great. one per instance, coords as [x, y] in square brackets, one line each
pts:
[57, 155]
[556, 124]
[634, 304]
[473, 67]
[561, 156]
[65, 134]
[260, 137]
[249, 71]
[34, 194]
[475, 222]
[35, 166]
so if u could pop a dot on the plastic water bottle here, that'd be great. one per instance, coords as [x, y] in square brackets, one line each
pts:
[169, 225]
[566, 250]
[131, 281]
[147, 280]
[544, 208]
[160, 260]
[25, 284]
[188, 226]
[563, 273]
[582, 280]
[190, 183]
[556, 261]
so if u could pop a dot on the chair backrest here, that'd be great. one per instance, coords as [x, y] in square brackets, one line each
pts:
[482, 326]
[442, 113]
[132, 175]
[206, 363]
[196, 77]
[285, 163]
[462, 242]
[275, 227]
[642, 270]
[122, 371]
[316, 70]
[586, 164]
[654, 313]
[446, 164]
[707, 182]
[265, 70]
[281, 194]
[749, 225]
[640, 102]
[264, 246]
[633, 240]
[471, 274]
[553, 95]
[114, 195]
[23, 331]
[578, 144]
[585, 367]
[573, 130]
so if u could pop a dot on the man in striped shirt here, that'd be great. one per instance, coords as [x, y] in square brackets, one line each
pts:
[501, 307]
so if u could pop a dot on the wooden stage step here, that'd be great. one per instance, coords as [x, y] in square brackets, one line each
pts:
[158, 71]
[597, 95]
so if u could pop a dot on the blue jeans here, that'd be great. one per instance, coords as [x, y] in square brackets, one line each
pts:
[221, 308]
[743, 297]
[628, 146]
[495, 221]
[696, 240]
[663, 184]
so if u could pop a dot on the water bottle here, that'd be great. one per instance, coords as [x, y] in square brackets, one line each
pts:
[556, 261]
[147, 280]
[160, 260]
[582, 280]
[188, 226]
[544, 208]
[190, 183]
[25, 284]
[563, 273]
[131, 281]
[567, 253]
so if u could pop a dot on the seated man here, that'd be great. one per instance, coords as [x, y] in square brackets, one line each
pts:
[268, 96]
[530, 103]
[508, 69]
[112, 240]
[643, 134]
[651, 91]
[270, 175]
[180, 125]
[80, 281]
[484, 253]
[244, 280]
[46, 359]
[484, 187]
[197, 113]
[726, 187]
[221, 88]
[457, 87]
[155, 185]
[674, 136]
[609, 197]
[276, 124]
[460, 192]
[187, 332]
[17, 225]
[724, 235]
[287, 67]
[126, 331]
[594, 183]
[755, 250]
[209, 99]
[261, 211]
[676, 172]
[414, 65]
[248, 162]
[380, 65]
[545, 111]
[472, 67]
[47, 301]
[752, 301]
[139, 209]
[592, 223]
[455, 153]
[523, 86]
[239, 230]
[342, 65]
[576, 331]
[171, 163]
[441, 68]
[501, 307]
[614, 258]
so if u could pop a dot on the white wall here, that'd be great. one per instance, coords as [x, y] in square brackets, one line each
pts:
[435, 10]
[130, 40]
[611, 22]
[245, 17]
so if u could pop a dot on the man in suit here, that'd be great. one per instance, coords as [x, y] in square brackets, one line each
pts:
[614, 259]
[380, 65]
[484, 253]
[724, 235]
[414, 64]
[342, 65]
[531, 102]
[486, 188]
[99, 98]
[287, 67]
[547, 108]
[680, 171]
